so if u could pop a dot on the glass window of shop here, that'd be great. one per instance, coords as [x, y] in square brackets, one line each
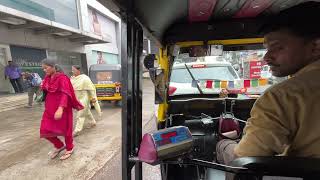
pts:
[61, 11]
[66, 60]
[29, 59]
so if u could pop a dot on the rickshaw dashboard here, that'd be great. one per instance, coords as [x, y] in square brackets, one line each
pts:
[203, 115]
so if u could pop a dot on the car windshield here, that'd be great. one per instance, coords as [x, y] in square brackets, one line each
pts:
[181, 75]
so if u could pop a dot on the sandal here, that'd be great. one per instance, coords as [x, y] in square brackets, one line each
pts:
[56, 152]
[66, 155]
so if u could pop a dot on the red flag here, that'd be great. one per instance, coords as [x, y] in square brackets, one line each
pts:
[246, 83]
[209, 84]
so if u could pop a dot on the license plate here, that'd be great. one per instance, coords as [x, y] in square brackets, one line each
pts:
[280, 178]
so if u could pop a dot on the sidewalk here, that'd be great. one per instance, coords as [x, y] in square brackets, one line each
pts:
[13, 101]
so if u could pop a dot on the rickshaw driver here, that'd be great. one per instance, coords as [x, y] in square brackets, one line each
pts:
[285, 120]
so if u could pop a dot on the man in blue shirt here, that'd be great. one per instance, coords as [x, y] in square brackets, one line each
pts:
[33, 81]
[14, 73]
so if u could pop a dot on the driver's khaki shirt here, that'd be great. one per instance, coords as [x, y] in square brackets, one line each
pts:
[286, 118]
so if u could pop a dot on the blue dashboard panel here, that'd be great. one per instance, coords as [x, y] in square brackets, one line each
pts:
[171, 136]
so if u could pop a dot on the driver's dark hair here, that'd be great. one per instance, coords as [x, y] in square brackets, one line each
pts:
[301, 20]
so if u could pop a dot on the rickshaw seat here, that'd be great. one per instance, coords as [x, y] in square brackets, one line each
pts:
[281, 166]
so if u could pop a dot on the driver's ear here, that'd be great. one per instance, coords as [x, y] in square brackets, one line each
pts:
[316, 48]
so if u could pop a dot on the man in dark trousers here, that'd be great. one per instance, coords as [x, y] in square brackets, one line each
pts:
[13, 72]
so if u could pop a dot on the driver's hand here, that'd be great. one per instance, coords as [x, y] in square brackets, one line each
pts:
[231, 134]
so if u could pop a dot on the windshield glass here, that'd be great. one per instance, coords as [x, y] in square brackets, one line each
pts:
[181, 75]
[241, 71]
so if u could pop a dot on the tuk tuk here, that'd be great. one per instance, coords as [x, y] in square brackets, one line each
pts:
[188, 124]
[107, 80]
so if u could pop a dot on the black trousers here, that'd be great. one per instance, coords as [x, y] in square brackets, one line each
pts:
[16, 84]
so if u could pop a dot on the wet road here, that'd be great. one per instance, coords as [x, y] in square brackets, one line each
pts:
[23, 155]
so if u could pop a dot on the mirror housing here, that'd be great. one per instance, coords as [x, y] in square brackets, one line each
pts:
[164, 144]
[215, 50]
[149, 60]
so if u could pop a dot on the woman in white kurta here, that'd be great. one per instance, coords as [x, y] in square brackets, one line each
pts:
[86, 93]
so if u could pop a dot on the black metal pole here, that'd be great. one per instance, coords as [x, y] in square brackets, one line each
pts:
[137, 70]
[131, 50]
[126, 103]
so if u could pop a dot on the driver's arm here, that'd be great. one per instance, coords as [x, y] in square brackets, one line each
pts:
[268, 130]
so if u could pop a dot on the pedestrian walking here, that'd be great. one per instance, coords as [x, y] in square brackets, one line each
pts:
[86, 93]
[13, 72]
[57, 119]
[33, 83]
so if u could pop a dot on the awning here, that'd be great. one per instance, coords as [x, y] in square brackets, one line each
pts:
[19, 20]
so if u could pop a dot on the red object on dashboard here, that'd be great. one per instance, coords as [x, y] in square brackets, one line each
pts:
[237, 91]
[243, 90]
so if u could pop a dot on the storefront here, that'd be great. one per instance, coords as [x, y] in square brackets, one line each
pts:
[29, 59]
[67, 59]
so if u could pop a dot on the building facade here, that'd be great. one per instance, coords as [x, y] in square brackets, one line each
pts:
[32, 30]
[102, 21]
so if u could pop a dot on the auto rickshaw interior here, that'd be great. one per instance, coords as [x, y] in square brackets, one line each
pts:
[203, 113]
[206, 114]
[209, 116]
[189, 32]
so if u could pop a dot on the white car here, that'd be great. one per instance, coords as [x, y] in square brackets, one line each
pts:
[181, 80]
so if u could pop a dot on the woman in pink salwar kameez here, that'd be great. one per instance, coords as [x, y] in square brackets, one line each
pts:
[57, 119]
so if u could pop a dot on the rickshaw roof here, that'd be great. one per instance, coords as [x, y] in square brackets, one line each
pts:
[170, 21]
[102, 67]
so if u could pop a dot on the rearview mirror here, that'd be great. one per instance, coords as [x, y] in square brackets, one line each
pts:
[164, 144]
[215, 50]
